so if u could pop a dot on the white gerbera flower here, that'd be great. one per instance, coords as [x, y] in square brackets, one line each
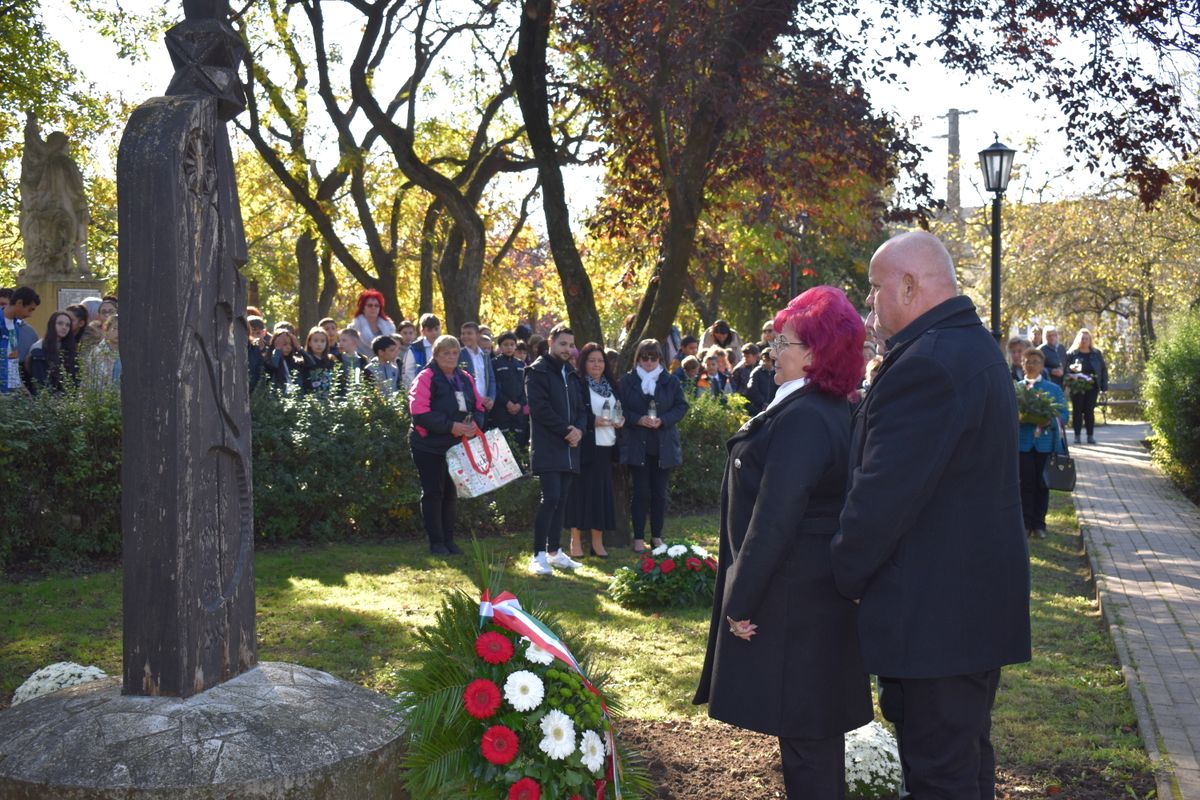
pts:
[658, 551]
[524, 691]
[676, 550]
[699, 551]
[537, 655]
[558, 740]
[591, 752]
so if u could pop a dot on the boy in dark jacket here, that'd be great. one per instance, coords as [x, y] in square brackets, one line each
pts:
[510, 413]
[557, 420]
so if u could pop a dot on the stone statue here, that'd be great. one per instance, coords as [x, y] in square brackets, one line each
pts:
[54, 211]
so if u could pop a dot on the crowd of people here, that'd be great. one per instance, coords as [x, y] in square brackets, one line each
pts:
[80, 343]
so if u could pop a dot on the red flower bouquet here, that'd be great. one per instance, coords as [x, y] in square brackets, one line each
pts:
[659, 582]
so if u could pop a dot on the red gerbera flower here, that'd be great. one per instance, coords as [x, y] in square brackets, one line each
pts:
[494, 648]
[499, 746]
[481, 698]
[525, 789]
[667, 565]
[694, 564]
[712, 564]
[647, 565]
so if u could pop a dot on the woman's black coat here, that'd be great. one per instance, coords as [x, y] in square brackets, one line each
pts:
[552, 389]
[671, 407]
[1092, 364]
[801, 674]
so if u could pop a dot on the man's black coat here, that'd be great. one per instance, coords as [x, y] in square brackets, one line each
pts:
[553, 390]
[801, 674]
[932, 538]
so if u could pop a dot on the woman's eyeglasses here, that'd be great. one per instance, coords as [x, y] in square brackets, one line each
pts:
[648, 358]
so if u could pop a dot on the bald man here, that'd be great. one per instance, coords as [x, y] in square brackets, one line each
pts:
[932, 542]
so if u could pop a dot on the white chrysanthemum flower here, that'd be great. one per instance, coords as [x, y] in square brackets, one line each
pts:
[591, 752]
[658, 551]
[558, 739]
[872, 761]
[56, 676]
[676, 550]
[537, 655]
[699, 551]
[524, 691]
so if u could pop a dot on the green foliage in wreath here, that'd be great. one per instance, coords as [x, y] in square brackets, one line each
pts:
[489, 717]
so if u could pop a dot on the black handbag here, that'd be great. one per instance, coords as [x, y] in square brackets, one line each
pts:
[1060, 468]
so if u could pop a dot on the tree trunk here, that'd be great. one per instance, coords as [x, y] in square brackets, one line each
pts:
[529, 77]
[329, 286]
[308, 280]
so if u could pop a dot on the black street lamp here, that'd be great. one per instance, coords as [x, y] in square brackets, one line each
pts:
[797, 231]
[996, 162]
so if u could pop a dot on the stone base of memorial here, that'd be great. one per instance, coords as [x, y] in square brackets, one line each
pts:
[275, 731]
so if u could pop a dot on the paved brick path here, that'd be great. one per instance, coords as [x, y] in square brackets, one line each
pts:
[1143, 538]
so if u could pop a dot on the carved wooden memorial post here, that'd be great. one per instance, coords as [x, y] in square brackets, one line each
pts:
[186, 487]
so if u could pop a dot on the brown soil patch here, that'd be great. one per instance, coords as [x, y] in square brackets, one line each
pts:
[707, 760]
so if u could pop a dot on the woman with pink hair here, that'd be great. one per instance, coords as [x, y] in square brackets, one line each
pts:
[783, 656]
[371, 321]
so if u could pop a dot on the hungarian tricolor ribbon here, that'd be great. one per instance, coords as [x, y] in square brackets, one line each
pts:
[506, 612]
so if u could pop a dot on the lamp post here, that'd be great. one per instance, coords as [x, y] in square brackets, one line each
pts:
[797, 231]
[996, 162]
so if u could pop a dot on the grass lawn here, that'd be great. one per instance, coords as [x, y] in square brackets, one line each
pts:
[351, 609]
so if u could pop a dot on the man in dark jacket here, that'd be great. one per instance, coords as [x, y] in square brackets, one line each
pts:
[557, 419]
[931, 538]
[510, 413]
[1056, 355]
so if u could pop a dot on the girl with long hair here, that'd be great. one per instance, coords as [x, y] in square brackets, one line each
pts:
[51, 361]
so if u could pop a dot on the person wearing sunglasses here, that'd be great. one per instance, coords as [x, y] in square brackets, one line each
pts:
[654, 405]
[783, 656]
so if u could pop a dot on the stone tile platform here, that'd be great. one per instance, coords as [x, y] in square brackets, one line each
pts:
[1143, 539]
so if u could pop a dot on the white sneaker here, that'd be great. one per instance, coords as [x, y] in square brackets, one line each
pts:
[538, 564]
[564, 561]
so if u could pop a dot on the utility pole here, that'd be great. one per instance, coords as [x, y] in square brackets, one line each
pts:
[953, 181]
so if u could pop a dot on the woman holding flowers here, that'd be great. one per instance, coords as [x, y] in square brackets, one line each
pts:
[1038, 438]
[1087, 376]
[783, 655]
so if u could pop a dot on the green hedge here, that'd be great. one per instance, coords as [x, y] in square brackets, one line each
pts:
[322, 471]
[1172, 394]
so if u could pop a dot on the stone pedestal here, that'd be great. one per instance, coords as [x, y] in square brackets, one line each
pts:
[57, 293]
[276, 731]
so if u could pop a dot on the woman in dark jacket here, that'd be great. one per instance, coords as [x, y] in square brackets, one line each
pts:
[1084, 359]
[590, 501]
[445, 407]
[783, 656]
[51, 361]
[654, 405]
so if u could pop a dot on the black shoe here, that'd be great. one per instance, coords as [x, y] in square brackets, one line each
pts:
[1039, 533]
[592, 551]
[1091, 440]
[439, 549]
[1077, 439]
[453, 549]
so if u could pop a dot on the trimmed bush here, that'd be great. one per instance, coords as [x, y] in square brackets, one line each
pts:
[322, 471]
[1172, 393]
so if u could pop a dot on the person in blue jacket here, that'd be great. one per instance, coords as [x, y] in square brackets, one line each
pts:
[1035, 444]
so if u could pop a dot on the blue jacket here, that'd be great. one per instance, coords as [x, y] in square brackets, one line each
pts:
[671, 407]
[1049, 440]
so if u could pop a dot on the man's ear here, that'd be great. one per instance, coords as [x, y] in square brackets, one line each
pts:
[910, 287]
